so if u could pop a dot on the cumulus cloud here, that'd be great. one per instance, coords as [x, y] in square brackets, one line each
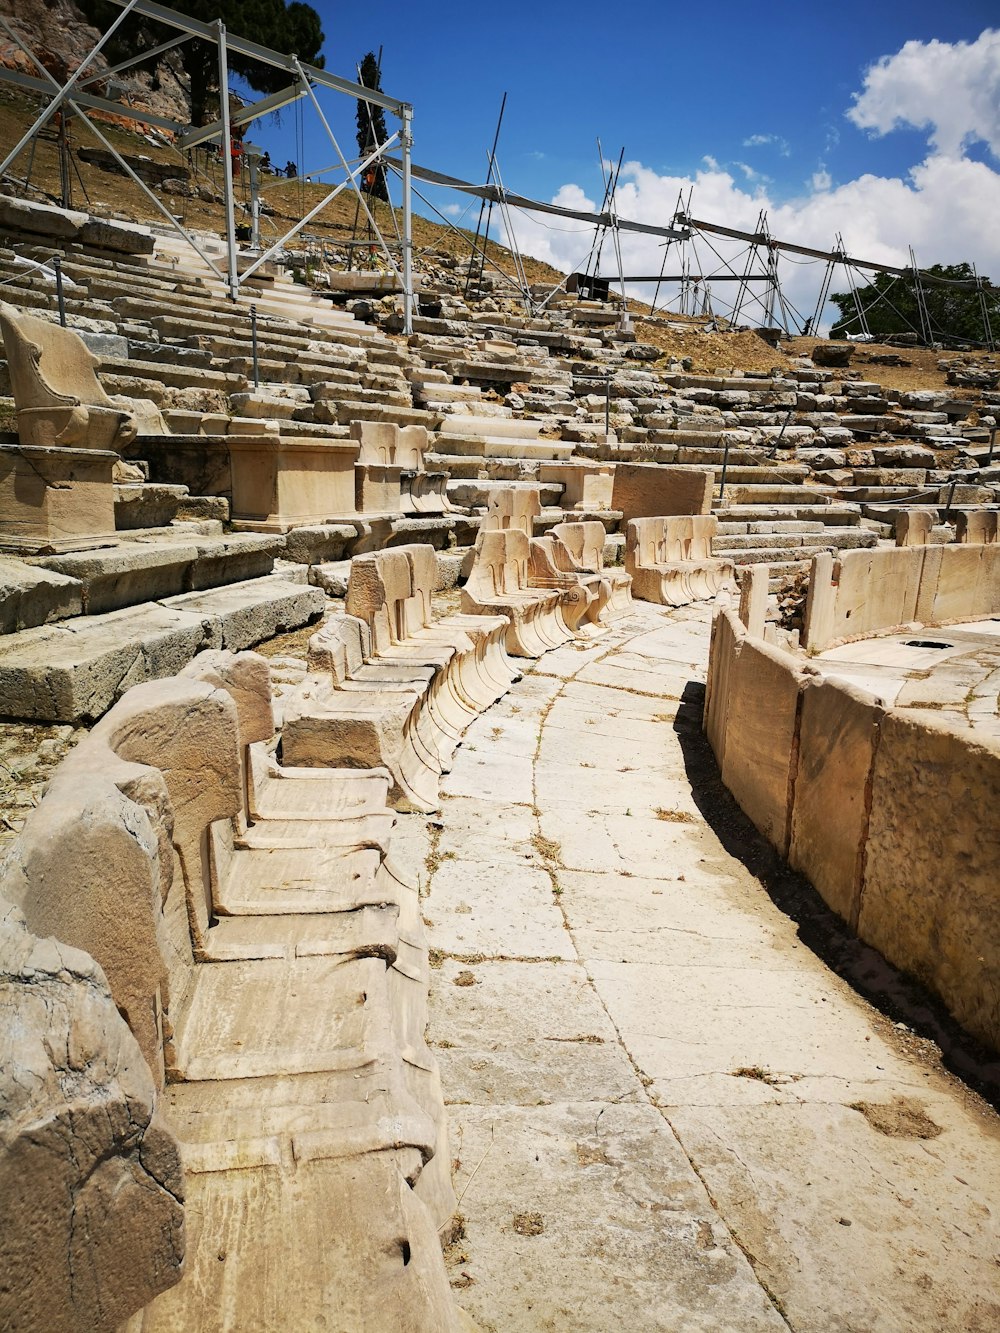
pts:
[941, 209]
[951, 89]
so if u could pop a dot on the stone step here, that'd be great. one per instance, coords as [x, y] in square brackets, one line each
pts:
[735, 383]
[774, 495]
[30, 596]
[830, 515]
[693, 437]
[727, 543]
[838, 538]
[484, 446]
[762, 475]
[176, 376]
[774, 525]
[476, 493]
[146, 569]
[75, 670]
[146, 504]
[347, 410]
[493, 427]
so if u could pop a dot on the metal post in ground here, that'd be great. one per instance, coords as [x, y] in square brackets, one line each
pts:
[406, 143]
[607, 403]
[253, 341]
[57, 265]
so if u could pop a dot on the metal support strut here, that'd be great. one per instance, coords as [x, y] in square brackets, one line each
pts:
[226, 147]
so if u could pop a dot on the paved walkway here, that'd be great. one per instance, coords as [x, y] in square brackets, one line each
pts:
[666, 1111]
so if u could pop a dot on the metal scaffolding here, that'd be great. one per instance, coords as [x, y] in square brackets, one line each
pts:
[305, 80]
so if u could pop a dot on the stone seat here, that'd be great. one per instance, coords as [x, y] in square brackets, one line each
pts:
[390, 686]
[582, 548]
[391, 476]
[670, 559]
[581, 595]
[500, 583]
[287, 1038]
[58, 398]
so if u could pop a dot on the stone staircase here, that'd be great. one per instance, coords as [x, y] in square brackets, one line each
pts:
[813, 459]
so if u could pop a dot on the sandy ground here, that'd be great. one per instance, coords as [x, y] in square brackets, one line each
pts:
[667, 1111]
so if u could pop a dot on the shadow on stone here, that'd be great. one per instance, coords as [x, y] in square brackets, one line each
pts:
[898, 997]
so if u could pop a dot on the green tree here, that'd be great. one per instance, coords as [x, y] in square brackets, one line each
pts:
[371, 128]
[890, 306]
[292, 29]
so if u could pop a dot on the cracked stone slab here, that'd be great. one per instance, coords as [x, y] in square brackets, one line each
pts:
[480, 908]
[589, 1217]
[681, 922]
[77, 669]
[677, 1021]
[622, 843]
[476, 829]
[512, 1032]
[490, 774]
[588, 786]
[814, 1193]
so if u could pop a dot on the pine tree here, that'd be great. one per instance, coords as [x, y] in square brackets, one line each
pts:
[371, 128]
[292, 29]
[890, 305]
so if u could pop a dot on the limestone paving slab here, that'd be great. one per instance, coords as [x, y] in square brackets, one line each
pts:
[627, 787]
[817, 1193]
[586, 1216]
[479, 908]
[677, 921]
[625, 843]
[479, 829]
[512, 1033]
[690, 997]
[490, 773]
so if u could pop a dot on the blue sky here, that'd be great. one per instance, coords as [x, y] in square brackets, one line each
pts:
[672, 83]
[751, 110]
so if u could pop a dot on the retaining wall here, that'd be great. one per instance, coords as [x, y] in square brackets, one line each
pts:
[877, 589]
[894, 816]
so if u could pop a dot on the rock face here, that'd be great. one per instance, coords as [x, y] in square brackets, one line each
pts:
[59, 34]
[92, 1223]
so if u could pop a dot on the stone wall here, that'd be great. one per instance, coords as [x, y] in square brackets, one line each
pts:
[866, 591]
[892, 815]
[92, 1217]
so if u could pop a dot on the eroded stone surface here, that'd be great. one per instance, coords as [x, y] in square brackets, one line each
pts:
[92, 1224]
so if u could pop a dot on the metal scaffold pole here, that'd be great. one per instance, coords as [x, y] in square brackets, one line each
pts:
[406, 142]
[225, 146]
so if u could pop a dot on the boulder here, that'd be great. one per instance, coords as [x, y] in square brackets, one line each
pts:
[832, 353]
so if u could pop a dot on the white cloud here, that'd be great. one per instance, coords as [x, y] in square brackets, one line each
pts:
[951, 89]
[944, 209]
[821, 180]
[763, 140]
[750, 172]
